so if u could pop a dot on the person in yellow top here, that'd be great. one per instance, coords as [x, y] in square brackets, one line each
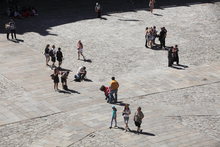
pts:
[114, 89]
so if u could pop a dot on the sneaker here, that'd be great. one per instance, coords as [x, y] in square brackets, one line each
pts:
[141, 131]
[110, 127]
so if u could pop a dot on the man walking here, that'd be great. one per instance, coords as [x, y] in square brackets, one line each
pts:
[170, 57]
[114, 89]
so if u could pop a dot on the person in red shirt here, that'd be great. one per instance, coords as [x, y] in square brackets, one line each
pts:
[107, 92]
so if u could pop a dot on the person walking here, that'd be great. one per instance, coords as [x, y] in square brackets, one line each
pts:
[55, 77]
[59, 57]
[53, 56]
[162, 37]
[12, 29]
[114, 89]
[64, 77]
[46, 53]
[151, 5]
[175, 51]
[80, 50]
[126, 112]
[138, 116]
[98, 10]
[114, 117]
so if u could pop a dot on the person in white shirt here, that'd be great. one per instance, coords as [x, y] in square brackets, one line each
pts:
[81, 73]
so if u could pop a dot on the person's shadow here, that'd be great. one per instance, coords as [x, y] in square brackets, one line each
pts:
[16, 40]
[135, 132]
[68, 91]
[86, 60]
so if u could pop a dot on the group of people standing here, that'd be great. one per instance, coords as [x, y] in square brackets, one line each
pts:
[53, 54]
[151, 35]
[138, 116]
[111, 92]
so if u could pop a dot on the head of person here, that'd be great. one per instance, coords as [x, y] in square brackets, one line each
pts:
[146, 28]
[113, 78]
[139, 109]
[59, 49]
[102, 88]
[97, 4]
[126, 107]
[176, 46]
[113, 107]
[53, 46]
[154, 27]
[47, 46]
[67, 73]
[84, 68]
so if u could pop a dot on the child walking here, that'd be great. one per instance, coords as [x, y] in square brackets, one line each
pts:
[114, 116]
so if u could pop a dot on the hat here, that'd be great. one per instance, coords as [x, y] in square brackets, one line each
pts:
[113, 106]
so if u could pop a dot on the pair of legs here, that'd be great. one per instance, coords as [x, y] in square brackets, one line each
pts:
[151, 8]
[64, 83]
[114, 95]
[113, 119]
[13, 34]
[138, 124]
[126, 119]
[99, 14]
[47, 59]
[59, 63]
[162, 43]
[81, 53]
[110, 98]
[170, 61]
[55, 86]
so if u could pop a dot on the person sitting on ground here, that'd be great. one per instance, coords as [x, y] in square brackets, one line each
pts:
[107, 92]
[81, 73]
[64, 76]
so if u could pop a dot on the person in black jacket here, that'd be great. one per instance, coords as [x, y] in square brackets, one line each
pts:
[59, 57]
[46, 53]
[162, 37]
[170, 58]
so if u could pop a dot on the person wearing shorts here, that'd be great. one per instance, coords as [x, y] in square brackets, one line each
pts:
[138, 116]
[126, 112]
[80, 50]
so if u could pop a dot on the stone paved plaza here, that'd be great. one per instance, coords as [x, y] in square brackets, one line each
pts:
[181, 106]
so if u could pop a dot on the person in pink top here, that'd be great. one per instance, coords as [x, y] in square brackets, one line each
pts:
[107, 92]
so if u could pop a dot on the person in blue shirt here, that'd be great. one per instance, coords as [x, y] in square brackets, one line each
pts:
[114, 116]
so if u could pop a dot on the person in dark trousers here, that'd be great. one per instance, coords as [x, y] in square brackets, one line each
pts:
[64, 77]
[59, 57]
[162, 37]
[46, 53]
[98, 10]
[12, 29]
[175, 55]
[170, 57]
[7, 29]
[53, 56]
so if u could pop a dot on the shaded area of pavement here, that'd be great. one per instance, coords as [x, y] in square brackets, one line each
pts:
[72, 11]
